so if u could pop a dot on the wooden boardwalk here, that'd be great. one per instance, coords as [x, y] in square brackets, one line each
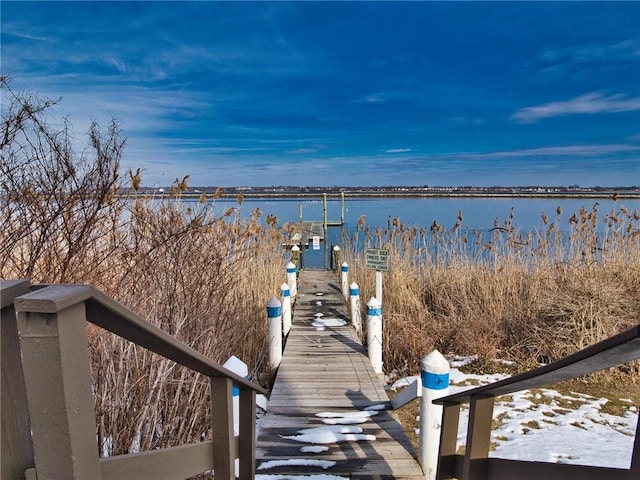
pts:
[325, 381]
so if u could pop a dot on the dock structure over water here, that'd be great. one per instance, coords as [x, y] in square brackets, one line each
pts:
[328, 412]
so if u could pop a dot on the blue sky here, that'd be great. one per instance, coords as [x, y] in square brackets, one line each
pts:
[345, 93]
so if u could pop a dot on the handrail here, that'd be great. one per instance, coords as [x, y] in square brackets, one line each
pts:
[111, 315]
[54, 353]
[476, 464]
[616, 350]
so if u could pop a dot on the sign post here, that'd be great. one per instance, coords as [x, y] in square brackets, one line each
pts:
[377, 259]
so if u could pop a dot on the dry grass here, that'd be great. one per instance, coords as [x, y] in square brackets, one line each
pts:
[529, 298]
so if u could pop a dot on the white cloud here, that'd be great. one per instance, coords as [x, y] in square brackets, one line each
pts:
[398, 150]
[585, 104]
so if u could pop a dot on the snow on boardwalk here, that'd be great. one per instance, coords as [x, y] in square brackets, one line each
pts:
[328, 415]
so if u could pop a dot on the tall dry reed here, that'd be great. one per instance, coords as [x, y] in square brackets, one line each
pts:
[525, 296]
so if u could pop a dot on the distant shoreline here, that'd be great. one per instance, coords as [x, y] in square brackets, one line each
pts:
[385, 194]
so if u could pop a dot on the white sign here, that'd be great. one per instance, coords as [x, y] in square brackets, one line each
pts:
[316, 242]
[377, 259]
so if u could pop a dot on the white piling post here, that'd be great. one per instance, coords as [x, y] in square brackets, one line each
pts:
[374, 333]
[286, 309]
[379, 286]
[238, 367]
[274, 330]
[344, 278]
[292, 279]
[434, 373]
[354, 295]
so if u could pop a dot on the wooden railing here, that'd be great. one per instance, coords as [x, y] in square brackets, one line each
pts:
[476, 464]
[48, 421]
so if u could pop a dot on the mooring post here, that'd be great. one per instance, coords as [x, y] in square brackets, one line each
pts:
[292, 279]
[374, 333]
[238, 367]
[354, 294]
[286, 309]
[344, 278]
[295, 256]
[336, 257]
[434, 373]
[274, 330]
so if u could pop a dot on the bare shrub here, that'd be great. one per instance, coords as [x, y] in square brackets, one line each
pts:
[203, 277]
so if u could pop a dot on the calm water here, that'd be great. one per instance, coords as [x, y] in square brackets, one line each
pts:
[478, 213]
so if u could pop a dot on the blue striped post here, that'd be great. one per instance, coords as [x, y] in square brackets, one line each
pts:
[434, 373]
[354, 297]
[238, 367]
[274, 331]
[374, 333]
[344, 269]
[292, 279]
[286, 309]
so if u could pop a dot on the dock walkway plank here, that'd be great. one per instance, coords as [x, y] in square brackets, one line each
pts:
[327, 371]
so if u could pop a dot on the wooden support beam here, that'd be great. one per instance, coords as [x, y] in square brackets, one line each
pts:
[475, 462]
[247, 434]
[224, 446]
[448, 441]
[57, 374]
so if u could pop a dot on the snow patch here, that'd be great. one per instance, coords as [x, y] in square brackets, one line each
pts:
[323, 438]
[314, 449]
[297, 462]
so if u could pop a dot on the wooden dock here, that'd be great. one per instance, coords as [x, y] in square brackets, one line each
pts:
[326, 381]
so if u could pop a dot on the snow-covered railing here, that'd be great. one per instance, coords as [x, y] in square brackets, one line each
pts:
[52, 434]
[476, 464]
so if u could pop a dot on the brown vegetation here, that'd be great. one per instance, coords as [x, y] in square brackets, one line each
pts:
[530, 297]
[204, 276]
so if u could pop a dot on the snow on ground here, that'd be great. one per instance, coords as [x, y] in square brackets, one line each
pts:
[549, 427]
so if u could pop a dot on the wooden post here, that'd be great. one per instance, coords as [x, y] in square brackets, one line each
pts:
[17, 449]
[247, 439]
[58, 382]
[434, 373]
[448, 441]
[286, 309]
[292, 279]
[274, 326]
[344, 278]
[354, 295]
[374, 333]
[475, 463]
[336, 257]
[224, 451]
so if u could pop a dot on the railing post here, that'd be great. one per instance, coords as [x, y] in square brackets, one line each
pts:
[58, 383]
[247, 439]
[448, 441]
[224, 451]
[475, 462]
[354, 295]
[274, 328]
[292, 279]
[344, 280]
[374, 333]
[286, 309]
[434, 373]
[17, 449]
